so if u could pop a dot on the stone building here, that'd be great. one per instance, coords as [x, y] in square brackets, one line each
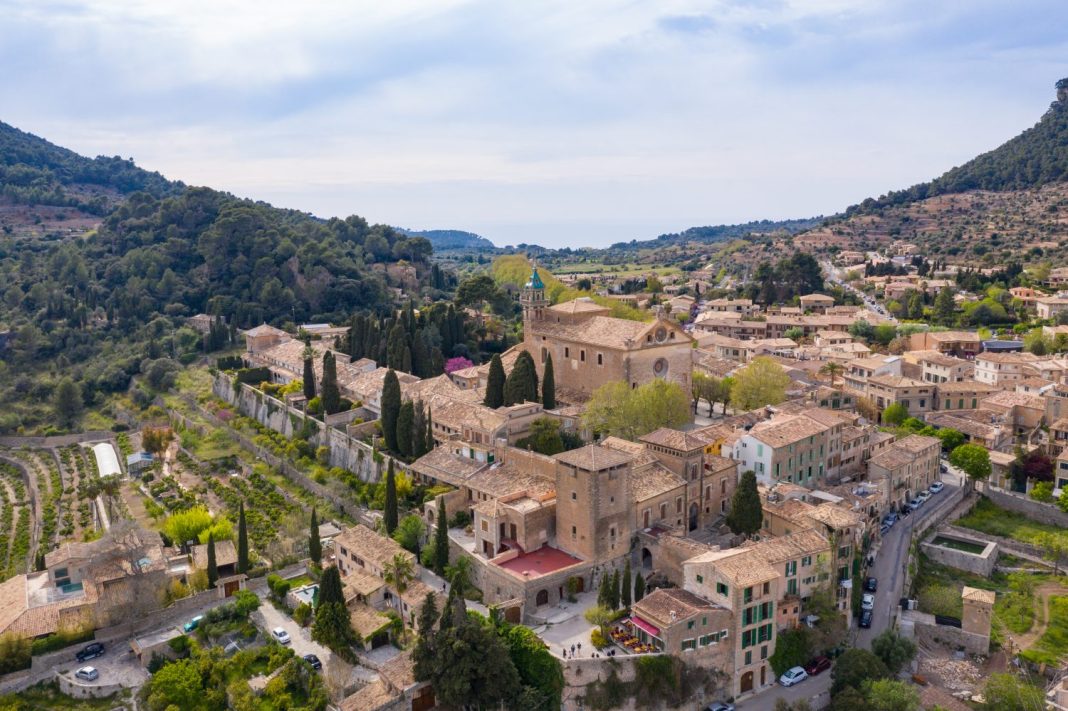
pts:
[589, 348]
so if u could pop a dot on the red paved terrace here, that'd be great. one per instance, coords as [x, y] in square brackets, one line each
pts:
[543, 561]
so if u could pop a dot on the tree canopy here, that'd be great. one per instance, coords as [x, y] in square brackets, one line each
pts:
[762, 382]
[617, 409]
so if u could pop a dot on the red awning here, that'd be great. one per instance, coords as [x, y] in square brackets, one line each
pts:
[642, 624]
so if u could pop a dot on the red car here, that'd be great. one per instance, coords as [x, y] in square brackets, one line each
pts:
[818, 665]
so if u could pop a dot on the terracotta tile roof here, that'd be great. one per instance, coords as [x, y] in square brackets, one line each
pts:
[667, 606]
[399, 671]
[978, 595]
[442, 464]
[415, 595]
[898, 381]
[673, 439]
[965, 425]
[1023, 357]
[1011, 399]
[892, 458]
[607, 332]
[783, 548]
[743, 567]
[360, 582]
[370, 546]
[917, 443]
[264, 330]
[593, 457]
[376, 696]
[504, 478]
[966, 386]
[782, 431]
[582, 305]
[366, 621]
[953, 336]
[835, 516]
[642, 455]
[225, 554]
[652, 481]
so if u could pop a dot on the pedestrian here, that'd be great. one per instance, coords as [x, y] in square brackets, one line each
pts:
[572, 650]
[580, 646]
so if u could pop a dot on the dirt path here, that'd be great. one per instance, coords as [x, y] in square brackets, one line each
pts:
[1043, 593]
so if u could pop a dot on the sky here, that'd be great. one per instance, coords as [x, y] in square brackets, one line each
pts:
[560, 123]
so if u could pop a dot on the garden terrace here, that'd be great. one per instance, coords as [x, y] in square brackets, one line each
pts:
[17, 521]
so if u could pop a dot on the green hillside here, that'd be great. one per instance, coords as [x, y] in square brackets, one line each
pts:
[1036, 157]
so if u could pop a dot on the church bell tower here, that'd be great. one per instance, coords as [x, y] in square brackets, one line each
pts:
[532, 298]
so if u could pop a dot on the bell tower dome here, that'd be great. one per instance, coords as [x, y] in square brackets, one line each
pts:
[532, 298]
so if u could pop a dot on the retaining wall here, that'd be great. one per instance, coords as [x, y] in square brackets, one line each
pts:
[85, 690]
[951, 637]
[1019, 503]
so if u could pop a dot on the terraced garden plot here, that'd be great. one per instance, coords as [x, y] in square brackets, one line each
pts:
[17, 518]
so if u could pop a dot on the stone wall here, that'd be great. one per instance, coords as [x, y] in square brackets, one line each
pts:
[978, 563]
[951, 637]
[346, 451]
[1019, 503]
[85, 689]
[578, 673]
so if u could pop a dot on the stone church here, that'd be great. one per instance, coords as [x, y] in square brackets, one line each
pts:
[590, 348]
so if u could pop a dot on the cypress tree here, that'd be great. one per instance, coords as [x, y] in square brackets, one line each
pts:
[390, 516]
[604, 594]
[242, 540]
[747, 513]
[213, 569]
[522, 383]
[625, 586]
[395, 346]
[639, 587]
[330, 586]
[419, 447]
[315, 546]
[614, 591]
[405, 422]
[495, 383]
[331, 396]
[391, 403]
[441, 539]
[430, 443]
[309, 374]
[548, 384]
[406, 361]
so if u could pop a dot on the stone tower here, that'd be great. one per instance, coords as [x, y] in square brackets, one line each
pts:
[593, 503]
[533, 298]
[978, 610]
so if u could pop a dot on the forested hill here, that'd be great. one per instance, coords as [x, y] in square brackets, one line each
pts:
[104, 302]
[451, 239]
[1037, 157]
[36, 172]
[721, 233]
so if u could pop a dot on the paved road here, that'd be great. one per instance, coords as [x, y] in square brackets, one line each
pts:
[268, 617]
[889, 568]
[833, 275]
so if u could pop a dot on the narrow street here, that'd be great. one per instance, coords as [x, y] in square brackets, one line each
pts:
[889, 569]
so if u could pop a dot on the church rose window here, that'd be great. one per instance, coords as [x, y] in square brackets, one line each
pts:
[660, 367]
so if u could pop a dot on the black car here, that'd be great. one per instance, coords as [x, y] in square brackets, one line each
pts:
[313, 661]
[90, 651]
[871, 584]
[865, 619]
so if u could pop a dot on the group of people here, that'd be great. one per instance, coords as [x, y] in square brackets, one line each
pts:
[576, 649]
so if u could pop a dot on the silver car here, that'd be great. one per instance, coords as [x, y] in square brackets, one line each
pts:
[87, 674]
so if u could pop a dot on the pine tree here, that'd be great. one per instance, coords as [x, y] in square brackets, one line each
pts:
[405, 422]
[626, 588]
[309, 374]
[522, 383]
[242, 540]
[391, 404]
[390, 515]
[315, 546]
[613, 591]
[639, 587]
[331, 396]
[441, 539]
[548, 384]
[213, 569]
[495, 383]
[747, 513]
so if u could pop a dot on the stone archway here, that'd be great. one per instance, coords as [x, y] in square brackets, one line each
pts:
[747, 682]
[694, 511]
[647, 559]
[542, 598]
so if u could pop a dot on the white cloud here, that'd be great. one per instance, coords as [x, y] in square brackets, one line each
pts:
[570, 120]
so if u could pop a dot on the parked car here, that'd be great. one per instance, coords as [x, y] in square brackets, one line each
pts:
[281, 635]
[871, 584]
[794, 675]
[721, 706]
[313, 661]
[867, 602]
[817, 666]
[890, 519]
[943, 468]
[924, 496]
[865, 618]
[193, 623]
[884, 529]
[937, 487]
[905, 510]
[90, 651]
[915, 504]
[87, 674]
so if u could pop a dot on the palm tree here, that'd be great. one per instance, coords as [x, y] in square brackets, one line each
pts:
[399, 572]
[832, 369]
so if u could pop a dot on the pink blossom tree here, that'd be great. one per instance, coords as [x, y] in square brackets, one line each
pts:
[457, 363]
